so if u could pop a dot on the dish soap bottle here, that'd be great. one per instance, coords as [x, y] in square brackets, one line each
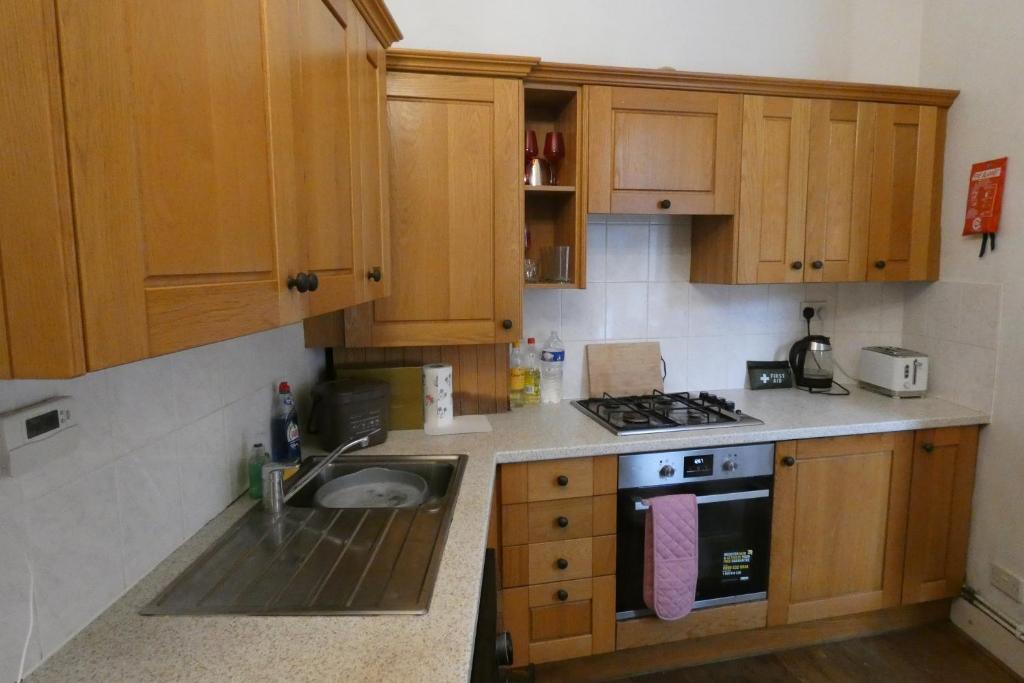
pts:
[531, 384]
[516, 376]
[257, 458]
[284, 427]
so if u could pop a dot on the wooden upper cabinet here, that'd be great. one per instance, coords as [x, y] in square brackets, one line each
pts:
[168, 137]
[838, 526]
[314, 49]
[455, 184]
[40, 320]
[773, 189]
[906, 193]
[805, 190]
[938, 524]
[838, 190]
[662, 151]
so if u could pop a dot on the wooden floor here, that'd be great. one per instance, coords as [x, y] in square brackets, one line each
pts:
[934, 653]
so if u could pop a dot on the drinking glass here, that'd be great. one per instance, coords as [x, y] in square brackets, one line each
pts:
[531, 153]
[554, 152]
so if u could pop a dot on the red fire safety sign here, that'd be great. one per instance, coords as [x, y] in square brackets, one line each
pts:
[985, 197]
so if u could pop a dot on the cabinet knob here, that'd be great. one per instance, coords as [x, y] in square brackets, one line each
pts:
[796, 265]
[880, 264]
[562, 563]
[562, 595]
[789, 461]
[562, 522]
[506, 324]
[665, 204]
[299, 282]
[562, 480]
[374, 274]
[817, 265]
[928, 447]
[314, 282]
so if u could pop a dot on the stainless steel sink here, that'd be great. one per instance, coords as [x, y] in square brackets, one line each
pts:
[315, 561]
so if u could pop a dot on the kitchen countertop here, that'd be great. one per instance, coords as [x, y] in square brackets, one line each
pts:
[121, 645]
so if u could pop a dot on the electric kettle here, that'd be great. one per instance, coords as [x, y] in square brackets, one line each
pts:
[811, 360]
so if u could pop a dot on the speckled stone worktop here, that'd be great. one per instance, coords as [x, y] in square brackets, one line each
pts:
[120, 645]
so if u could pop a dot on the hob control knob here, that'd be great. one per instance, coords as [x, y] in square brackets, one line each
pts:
[667, 471]
[729, 405]
[730, 465]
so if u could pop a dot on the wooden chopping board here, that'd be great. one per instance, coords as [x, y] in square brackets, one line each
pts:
[624, 369]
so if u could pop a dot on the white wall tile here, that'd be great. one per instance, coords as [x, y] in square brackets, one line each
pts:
[859, 307]
[826, 293]
[626, 310]
[149, 497]
[596, 250]
[583, 313]
[784, 309]
[14, 595]
[143, 402]
[710, 313]
[628, 245]
[246, 423]
[668, 309]
[574, 372]
[979, 315]
[943, 310]
[707, 362]
[892, 307]
[542, 312]
[202, 465]
[673, 351]
[915, 313]
[976, 381]
[75, 541]
[748, 309]
[669, 254]
[196, 383]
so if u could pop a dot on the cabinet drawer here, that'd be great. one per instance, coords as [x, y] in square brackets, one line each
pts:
[557, 520]
[579, 558]
[560, 621]
[558, 479]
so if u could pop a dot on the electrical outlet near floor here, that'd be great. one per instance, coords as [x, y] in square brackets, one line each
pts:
[819, 310]
[1006, 582]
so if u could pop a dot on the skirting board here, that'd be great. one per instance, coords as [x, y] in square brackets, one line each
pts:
[990, 635]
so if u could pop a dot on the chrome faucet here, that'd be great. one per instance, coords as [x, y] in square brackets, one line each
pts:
[274, 496]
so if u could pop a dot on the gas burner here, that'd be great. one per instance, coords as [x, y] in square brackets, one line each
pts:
[660, 411]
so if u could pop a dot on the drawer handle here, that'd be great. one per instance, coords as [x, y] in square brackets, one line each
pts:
[817, 265]
[665, 204]
[562, 563]
[796, 265]
[928, 447]
[562, 595]
[880, 265]
[562, 480]
[562, 522]
[789, 461]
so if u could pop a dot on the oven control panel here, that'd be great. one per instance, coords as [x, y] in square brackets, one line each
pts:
[672, 467]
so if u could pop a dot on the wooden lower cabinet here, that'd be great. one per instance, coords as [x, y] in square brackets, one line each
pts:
[940, 513]
[557, 532]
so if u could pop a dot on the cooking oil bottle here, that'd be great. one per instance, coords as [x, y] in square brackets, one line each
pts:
[516, 376]
[531, 384]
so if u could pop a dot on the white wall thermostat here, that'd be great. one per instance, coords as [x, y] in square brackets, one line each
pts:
[34, 435]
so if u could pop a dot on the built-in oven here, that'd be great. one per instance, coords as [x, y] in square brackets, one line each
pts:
[733, 486]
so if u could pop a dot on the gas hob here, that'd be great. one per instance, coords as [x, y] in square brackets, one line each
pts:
[663, 412]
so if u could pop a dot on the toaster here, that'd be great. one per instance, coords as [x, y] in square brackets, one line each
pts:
[893, 371]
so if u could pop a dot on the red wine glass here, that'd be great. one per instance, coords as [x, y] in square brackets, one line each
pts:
[554, 152]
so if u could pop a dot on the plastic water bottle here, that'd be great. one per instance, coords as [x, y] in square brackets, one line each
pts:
[284, 427]
[531, 388]
[552, 358]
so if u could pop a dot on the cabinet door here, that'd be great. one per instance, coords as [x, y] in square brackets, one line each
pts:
[456, 233]
[773, 190]
[313, 53]
[662, 151]
[906, 189]
[168, 146]
[838, 191]
[938, 524]
[838, 526]
[40, 317]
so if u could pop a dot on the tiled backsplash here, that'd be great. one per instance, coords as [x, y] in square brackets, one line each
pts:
[162, 452]
[957, 325]
[638, 287]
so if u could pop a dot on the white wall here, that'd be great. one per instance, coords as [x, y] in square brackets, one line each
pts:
[977, 47]
[162, 452]
[860, 40]
[638, 271]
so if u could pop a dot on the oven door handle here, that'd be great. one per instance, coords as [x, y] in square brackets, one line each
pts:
[641, 504]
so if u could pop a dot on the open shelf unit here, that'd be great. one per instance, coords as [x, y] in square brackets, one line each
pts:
[554, 213]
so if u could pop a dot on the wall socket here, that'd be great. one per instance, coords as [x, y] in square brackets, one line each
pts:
[1006, 582]
[819, 310]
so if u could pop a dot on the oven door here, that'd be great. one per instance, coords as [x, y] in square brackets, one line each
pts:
[734, 536]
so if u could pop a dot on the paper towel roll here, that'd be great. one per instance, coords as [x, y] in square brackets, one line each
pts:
[438, 408]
